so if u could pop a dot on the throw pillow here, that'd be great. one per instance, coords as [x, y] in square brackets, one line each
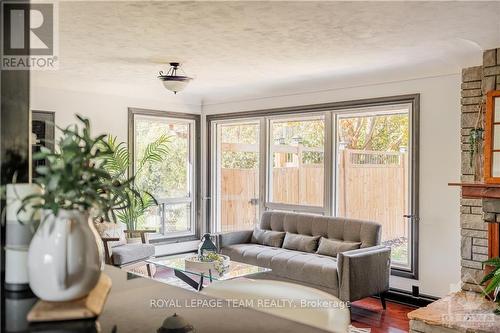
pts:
[300, 242]
[112, 230]
[331, 247]
[268, 237]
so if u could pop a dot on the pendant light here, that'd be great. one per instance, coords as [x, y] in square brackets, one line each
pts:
[172, 81]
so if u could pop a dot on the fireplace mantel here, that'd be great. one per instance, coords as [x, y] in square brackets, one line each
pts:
[480, 190]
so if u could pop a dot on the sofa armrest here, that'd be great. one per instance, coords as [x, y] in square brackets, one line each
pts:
[363, 272]
[235, 237]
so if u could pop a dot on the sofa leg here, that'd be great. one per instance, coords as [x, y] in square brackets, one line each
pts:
[382, 300]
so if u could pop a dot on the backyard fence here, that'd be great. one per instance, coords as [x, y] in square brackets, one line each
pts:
[371, 185]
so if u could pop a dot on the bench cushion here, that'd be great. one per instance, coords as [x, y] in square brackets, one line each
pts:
[309, 268]
[128, 253]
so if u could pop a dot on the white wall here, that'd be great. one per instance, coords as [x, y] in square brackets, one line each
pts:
[108, 112]
[439, 164]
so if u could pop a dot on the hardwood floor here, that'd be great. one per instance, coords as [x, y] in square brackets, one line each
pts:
[368, 313]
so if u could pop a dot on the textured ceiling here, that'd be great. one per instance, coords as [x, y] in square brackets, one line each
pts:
[248, 45]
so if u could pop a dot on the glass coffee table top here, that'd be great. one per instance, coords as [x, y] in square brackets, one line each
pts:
[235, 269]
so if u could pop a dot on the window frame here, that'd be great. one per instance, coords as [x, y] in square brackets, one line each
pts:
[397, 270]
[325, 209]
[214, 164]
[195, 173]
[331, 111]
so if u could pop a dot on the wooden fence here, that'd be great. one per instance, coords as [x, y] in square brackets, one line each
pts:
[374, 186]
[371, 185]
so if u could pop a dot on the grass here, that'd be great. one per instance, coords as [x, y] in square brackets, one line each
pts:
[399, 249]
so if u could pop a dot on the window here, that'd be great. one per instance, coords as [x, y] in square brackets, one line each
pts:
[356, 159]
[237, 175]
[170, 180]
[296, 167]
[373, 172]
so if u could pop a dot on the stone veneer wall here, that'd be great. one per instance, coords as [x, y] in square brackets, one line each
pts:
[476, 82]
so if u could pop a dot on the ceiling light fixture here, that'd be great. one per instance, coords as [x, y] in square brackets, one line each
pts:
[172, 81]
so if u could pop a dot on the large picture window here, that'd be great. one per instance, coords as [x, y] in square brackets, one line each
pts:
[355, 159]
[373, 173]
[170, 179]
[296, 167]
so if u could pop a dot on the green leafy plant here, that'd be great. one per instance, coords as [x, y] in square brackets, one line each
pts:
[494, 281]
[118, 164]
[475, 139]
[73, 177]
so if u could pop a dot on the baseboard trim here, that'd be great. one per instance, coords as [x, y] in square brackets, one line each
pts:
[406, 298]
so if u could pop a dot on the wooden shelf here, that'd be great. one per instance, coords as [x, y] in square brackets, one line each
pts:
[479, 190]
[482, 190]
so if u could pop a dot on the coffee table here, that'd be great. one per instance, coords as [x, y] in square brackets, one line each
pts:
[235, 270]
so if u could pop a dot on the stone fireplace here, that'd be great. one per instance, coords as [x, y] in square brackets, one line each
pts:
[479, 215]
[469, 310]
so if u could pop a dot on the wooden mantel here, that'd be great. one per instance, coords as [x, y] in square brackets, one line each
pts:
[480, 190]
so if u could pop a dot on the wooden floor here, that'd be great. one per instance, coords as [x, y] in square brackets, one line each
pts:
[368, 313]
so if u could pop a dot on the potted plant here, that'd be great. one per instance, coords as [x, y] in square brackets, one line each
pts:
[65, 258]
[118, 165]
[493, 279]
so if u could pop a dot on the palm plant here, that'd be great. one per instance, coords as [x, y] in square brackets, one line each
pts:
[118, 164]
[494, 281]
[74, 179]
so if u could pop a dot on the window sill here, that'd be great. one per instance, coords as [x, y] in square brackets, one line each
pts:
[165, 249]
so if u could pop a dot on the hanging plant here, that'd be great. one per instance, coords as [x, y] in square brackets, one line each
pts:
[475, 138]
[476, 135]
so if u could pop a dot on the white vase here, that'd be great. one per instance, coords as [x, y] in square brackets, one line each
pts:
[65, 258]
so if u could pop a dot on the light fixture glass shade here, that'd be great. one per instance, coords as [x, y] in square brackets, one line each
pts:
[172, 81]
[175, 85]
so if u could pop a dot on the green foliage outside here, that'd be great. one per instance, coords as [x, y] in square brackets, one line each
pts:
[168, 178]
[308, 133]
[242, 134]
[381, 133]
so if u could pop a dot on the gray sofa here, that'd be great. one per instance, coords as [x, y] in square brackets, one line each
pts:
[338, 255]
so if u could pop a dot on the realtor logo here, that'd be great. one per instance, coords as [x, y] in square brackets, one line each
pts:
[29, 35]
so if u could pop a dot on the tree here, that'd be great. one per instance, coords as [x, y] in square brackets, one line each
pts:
[381, 133]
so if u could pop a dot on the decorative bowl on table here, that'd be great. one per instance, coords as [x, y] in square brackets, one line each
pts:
[216, 264]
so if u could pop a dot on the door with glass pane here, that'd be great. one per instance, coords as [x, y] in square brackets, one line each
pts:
[373, 174]
[236, 172]
[170, 178]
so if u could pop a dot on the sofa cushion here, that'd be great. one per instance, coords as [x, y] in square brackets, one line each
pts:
[308, 268]
[300, 242]
[331, 247]
[268, 237]
[128, 253]
[341, 228]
